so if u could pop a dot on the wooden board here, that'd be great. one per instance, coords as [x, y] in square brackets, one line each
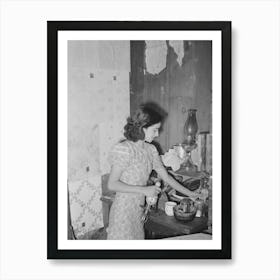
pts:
[160, 225]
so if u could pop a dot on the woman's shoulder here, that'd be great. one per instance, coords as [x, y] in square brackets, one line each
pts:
[122, 147]
[120, 154]
[150, 147]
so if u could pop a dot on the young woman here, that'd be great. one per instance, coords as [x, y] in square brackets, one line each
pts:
[132, 161]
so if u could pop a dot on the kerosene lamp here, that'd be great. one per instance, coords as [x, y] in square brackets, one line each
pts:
[189, 144]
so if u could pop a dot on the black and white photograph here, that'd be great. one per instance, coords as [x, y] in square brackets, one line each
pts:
[132, 140]
[136, 167]
[118, 136]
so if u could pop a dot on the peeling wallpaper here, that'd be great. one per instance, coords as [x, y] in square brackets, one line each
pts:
[98, 105]
[185, 82]
[156, 52]
[178, 47]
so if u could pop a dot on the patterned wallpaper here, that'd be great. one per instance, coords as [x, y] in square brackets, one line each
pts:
[85, 206]
[98, 105]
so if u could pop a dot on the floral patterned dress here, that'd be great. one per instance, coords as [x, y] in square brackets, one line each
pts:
[137, 162]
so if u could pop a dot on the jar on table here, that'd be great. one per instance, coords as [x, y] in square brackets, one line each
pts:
[199, 204]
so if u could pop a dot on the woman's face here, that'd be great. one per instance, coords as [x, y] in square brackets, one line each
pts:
[151, 132]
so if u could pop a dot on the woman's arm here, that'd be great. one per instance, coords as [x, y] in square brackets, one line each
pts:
[174, 184]
[115, 184]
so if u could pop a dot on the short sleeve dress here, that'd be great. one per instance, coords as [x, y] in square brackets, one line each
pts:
[137, 162]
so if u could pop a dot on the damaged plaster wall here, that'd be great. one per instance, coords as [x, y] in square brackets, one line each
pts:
[156, 54]
[184, 82]
[98, 105]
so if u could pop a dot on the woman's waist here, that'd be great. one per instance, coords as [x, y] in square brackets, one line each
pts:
[131, 195]
[129, 199]
[134, 180]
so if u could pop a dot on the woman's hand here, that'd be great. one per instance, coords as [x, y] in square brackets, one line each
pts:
[151, 191]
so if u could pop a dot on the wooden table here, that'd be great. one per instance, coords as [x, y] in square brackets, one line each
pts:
[159, 225]
[200, 175]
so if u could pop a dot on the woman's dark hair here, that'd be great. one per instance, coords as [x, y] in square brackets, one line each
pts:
[144, 117]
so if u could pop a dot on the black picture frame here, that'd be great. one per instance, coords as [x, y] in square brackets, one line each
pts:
[53, 27]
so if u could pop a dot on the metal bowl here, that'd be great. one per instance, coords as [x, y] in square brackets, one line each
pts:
[184, 216]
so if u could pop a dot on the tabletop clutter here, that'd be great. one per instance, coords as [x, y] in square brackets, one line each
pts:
[175, 204]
